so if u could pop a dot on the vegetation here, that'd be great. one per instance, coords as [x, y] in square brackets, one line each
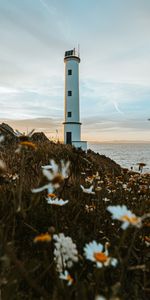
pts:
[28, 260]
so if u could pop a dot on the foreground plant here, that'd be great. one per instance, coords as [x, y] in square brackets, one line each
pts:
[87, 190]
[28, 145]
[55, 175]
[98, 254]
[2, 165]
[65, 252]
[66, 276]
[56, 201]
[1, 138]
[100, 298]
[121, 213]
[43, 237]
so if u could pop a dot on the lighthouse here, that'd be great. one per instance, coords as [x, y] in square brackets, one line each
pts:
[72, 124]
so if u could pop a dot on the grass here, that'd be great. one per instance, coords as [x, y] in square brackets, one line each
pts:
[28, 269]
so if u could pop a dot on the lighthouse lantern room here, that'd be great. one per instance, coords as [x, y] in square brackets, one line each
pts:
[72, 125]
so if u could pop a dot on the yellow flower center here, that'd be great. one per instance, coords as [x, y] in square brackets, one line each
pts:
[28, 144]
[131, 220]
[57, 179]
[51, 195]
[69, 278]
[44, 237]
[100, 257]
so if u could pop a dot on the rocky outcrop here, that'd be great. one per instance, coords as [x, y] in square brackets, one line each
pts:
[39, 137]
[12, 136]
[8, 133]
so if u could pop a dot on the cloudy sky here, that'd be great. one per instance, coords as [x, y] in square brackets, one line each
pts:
[114, 40]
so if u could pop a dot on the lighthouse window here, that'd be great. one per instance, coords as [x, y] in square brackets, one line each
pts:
[69, 114]
[69, 72]
[69, 93]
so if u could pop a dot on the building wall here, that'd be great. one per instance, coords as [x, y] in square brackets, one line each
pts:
[75, 129]
[72, 84]
[72, 125]
[81, 144]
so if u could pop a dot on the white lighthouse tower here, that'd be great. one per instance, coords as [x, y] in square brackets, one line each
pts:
[72, 125]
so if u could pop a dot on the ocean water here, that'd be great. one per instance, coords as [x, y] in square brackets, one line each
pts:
[126, 155]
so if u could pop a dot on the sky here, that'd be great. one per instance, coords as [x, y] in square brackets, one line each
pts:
[114, 41]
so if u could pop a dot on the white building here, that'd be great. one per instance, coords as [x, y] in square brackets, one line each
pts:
[72, 125]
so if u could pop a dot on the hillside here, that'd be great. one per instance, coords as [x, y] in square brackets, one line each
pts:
[31, 267]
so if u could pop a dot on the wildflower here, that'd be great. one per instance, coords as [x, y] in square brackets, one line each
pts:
[124, 215]
[124, 186]
[56, 201]
[55, 176]
[147, 241]
[2, 165]
[1, 138]
[98, 297]
[25, 145]
[89, 179]
[95, 253]
[66, 276]
[98, 188]
[52, 196]
[106, 199]
[48, 186]
[28, 144]
[47, 167]
[23, 136]
[15, 176]
[90, 208]
[88, 191]
[65, 252]
[43, 237]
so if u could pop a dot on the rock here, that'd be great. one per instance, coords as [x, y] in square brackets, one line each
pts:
[39, 137]
[8, 133]
[11, 136]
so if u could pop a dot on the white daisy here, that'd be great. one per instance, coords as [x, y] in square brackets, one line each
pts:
[20, 134]
[88, 191]
[66, 276]
[94, 252]
[52, 171]
[56, 201]
[121, 213]
[47, 167]
[54, 174]
[65, 252]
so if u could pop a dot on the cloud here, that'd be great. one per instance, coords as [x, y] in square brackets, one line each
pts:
[50, 126]
[45, 5]
[115, 60]
[116, 107]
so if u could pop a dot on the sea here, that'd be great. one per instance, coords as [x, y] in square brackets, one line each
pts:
[127, 155]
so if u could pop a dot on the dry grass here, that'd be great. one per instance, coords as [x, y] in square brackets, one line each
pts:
[28, 269]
